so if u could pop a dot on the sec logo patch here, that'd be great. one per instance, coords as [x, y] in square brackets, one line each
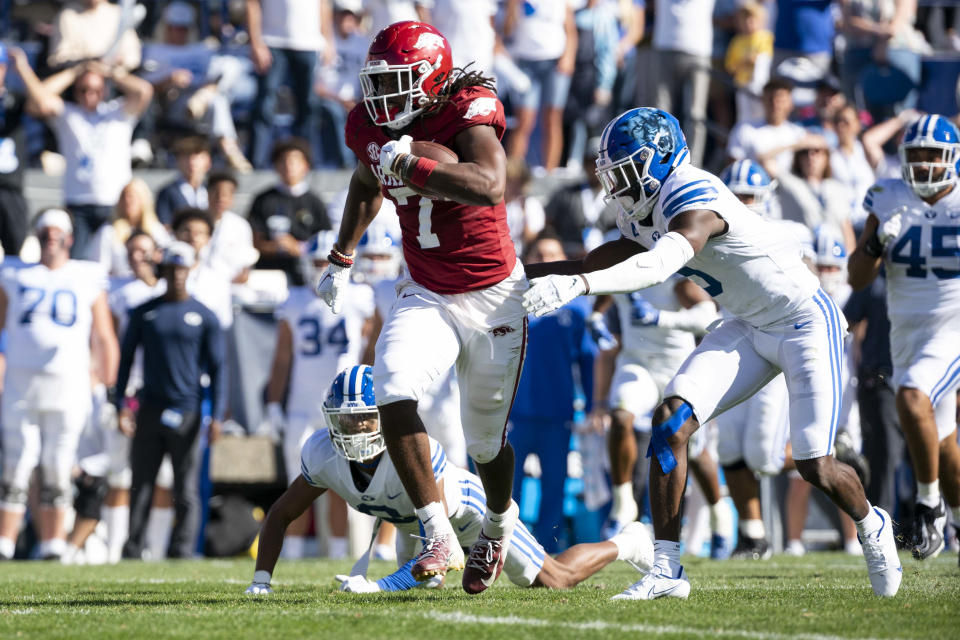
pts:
[373, 151]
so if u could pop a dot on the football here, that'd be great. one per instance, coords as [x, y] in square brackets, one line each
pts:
[434, 151]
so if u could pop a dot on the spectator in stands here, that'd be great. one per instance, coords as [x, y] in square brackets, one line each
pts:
[682, 42]
[525, 215]
[231, 245]
[469, 28]
[774, 132]
[631, 22]
[803, 39]
[748, 60]
[189, 188]
[181, 340]
[134, 212]
[385, 12]
[85, 30]
[338, 85]
[186, 77]
[577, 211]
[94, 136]
[849, 163]
[821, 115]
[209, 282]
[808, 194]
[542, 38]
[559, 356]
[285, 36]
[286, 215]
[13, 152]
[880, 36]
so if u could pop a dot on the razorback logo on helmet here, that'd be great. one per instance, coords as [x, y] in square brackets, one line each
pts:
[427, 40]
[480, 107]
[373, 151]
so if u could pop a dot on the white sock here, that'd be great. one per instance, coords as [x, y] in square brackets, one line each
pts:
[928, 493]
[869, 525]
[53, 547]
[384, 552]
[337, 547]
[721, 520]
[159, 526]
[118, 527]
[623, 500]
[500, 525]
[434, 519]
[753, 529]
[7, 548]
[666, 555]
[293, 547]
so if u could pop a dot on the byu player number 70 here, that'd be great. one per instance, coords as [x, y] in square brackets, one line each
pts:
[675, 218]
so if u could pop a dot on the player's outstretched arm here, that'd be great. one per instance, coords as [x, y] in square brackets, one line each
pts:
[865, 261]
[606, 255]
[295, 500]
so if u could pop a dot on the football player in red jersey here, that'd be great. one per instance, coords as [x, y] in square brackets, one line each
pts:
[462, 304]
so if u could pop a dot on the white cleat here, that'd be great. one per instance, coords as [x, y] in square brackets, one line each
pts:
[657, 584]
[883, 563]
[636, 539]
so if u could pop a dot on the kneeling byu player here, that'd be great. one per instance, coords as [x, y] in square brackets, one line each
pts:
[676, 218]
[347, 458]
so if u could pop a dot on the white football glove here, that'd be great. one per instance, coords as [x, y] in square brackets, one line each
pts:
[552, 292]
[356, 584]
[259, 589]
[331, 286]
[890, 229]
[391, 152]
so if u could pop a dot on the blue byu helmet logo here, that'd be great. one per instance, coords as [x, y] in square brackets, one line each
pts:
[638, 150]
[751, 183]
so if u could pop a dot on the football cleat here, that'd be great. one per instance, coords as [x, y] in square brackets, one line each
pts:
[883, 563]
[928, 526]
[439, 555]
[636, 538]
[484, 564]
[658, 584]
[752, 549]
[719, 547]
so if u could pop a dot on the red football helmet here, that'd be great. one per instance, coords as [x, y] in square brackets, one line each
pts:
[408, 64]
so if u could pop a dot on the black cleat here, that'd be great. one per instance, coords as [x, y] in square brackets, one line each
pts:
[928, 525]
[752, 549]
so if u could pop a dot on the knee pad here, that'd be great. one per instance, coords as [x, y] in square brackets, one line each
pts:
[54, 496]
[483, 452]
[91, 492]
[13, 498]
[659, 440]
[760, 462]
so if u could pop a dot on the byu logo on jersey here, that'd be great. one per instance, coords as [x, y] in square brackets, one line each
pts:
[480, 107]
[655, 236]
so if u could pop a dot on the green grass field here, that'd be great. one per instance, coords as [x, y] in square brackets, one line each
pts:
[815, 597]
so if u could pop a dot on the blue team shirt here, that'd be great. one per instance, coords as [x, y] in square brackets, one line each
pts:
[804, 25]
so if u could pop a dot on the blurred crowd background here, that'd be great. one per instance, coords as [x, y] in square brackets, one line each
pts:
[220, 123]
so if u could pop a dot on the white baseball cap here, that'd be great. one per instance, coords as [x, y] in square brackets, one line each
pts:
[179, 254]
[54, 218]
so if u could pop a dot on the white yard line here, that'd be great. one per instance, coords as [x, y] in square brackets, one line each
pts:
[466, 618]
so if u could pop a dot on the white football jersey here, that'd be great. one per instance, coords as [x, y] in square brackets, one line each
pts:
[384, 497]
[126, 294]
[323, 343]
[923, 262]
[49, 315]
[652, 346]
[753, 270]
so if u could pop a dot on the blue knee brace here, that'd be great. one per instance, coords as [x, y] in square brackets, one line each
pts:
[660, 434]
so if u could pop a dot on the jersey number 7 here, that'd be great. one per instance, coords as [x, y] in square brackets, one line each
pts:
[426, 237]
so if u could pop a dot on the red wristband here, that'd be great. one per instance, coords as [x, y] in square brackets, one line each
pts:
[422, 171]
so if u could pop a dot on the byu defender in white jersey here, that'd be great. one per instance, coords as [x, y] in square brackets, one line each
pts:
[312, 345]
[379, 264]
[676, 218]
[54, 312]
[347, 458]
[912, 231]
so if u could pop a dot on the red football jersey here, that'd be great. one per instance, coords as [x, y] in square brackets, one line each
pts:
[449, 247]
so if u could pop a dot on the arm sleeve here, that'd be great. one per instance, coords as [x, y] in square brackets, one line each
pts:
[212, 358]
[856, 308]
[399, 580]
[131, 340]
[643, 270]
[696, 319]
